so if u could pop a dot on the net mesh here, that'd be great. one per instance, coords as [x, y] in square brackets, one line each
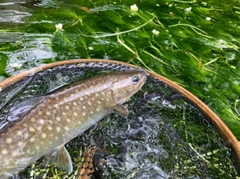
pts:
[164, 136]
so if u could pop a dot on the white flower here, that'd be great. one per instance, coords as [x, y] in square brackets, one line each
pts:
[187, 10]
[134, 8]
[155, 32]
[222, 44]
[221, 41]
[15, 65]
[58, 27]
[208, 18]
[90, 48]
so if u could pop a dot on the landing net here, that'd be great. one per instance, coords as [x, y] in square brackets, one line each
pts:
[164, 136]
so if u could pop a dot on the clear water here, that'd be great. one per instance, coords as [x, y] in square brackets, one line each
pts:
[201, 55]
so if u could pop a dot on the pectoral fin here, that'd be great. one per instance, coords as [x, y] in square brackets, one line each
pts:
[121, 109]
[61, 158]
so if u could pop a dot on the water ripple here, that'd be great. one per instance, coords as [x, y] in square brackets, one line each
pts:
[13, 16]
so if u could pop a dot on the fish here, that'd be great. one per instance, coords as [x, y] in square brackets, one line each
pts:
[61, 116]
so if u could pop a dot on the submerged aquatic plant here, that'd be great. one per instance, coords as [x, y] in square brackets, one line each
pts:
[195, 44]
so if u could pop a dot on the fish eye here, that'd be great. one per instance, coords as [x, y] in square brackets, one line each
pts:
[135, 80]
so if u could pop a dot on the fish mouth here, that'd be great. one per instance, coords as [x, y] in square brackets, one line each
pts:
[145, 74]
[144, 77]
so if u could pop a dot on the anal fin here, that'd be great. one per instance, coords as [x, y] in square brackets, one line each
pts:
[61, 158]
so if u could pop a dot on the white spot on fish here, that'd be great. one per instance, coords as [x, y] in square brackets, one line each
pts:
[54, 111]
[84, 114]
[99, 102]
[41, 121]
[75, 114]
[63, 113]
[91, 112]
[37, 147]
[7, 162]
[50, 128]
[14, 153]
[107, 99]
[31, 129]
[58, 118]
[40, 112]
[48, 113]
[84, 107]
[25, 125]
[19, 133]
[9, 140]
[39, 128]
[102, 99]
[74, 103]
[4, 152]
[28, 151]
[56, 106]
[97, 109]
[20, 143]
[33, 119]
[32, 139]
[66, 128]
[97, 95]
[67, 107]
[79, 122]
[68, 120]
[58, 129]
[103, 93]
[89, 103]
[44, 135]
[81, 99]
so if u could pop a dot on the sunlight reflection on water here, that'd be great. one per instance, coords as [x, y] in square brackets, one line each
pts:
[13, 12]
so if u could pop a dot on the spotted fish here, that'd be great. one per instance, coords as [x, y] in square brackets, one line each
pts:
[61, 116]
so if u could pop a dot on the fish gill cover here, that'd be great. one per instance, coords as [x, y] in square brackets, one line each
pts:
[164, 136]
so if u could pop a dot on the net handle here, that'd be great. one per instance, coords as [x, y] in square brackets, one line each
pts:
[224, 132]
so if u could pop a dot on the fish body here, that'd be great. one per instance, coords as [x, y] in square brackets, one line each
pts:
[62, 116]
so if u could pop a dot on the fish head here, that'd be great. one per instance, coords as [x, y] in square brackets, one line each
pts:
[126, 84]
